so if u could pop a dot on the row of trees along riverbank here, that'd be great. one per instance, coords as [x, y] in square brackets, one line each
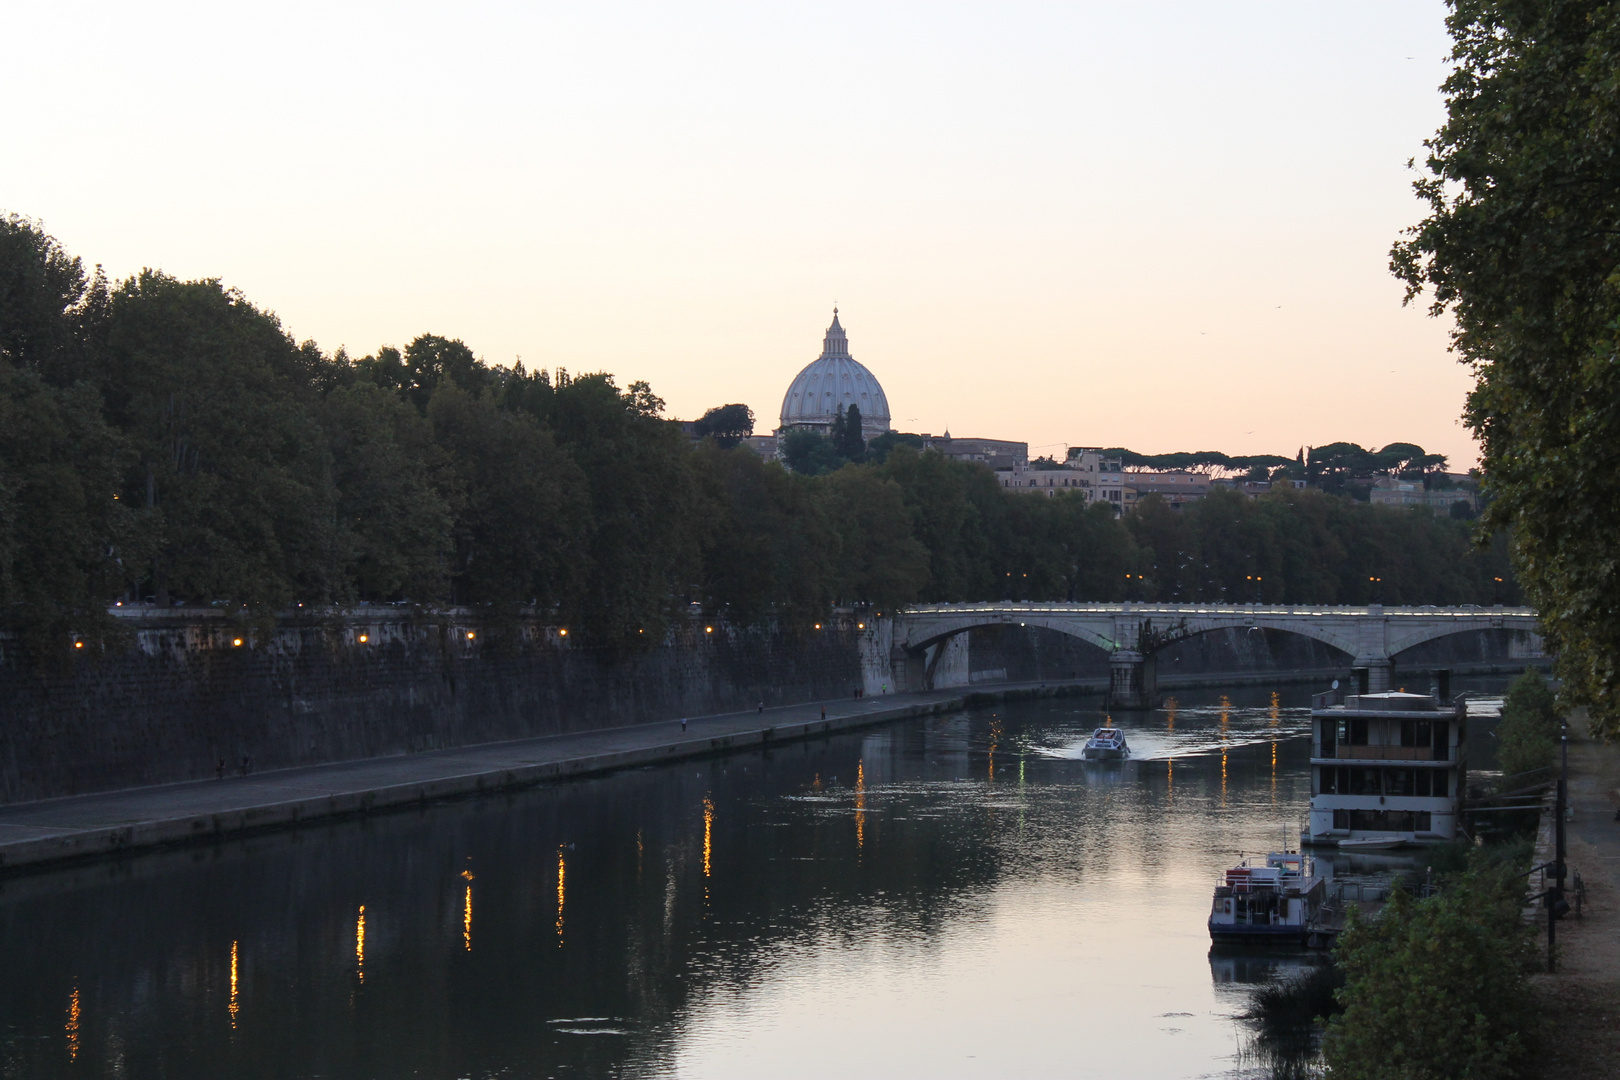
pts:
[167, 440]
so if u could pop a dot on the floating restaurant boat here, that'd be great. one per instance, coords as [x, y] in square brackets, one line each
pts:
[1387, 769]
[1105, 744]
[1278, 903]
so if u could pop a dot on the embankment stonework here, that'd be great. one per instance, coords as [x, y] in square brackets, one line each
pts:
[366, 683]
[186, 698]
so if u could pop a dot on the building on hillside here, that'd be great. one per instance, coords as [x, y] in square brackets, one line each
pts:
[1391, 491]
[1022, 480]
[831, 383]
[996, 453]
[1177, 489]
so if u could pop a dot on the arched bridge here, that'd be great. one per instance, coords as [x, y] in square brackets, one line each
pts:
[1132, 632]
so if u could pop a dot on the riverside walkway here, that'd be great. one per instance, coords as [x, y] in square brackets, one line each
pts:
[86, 826]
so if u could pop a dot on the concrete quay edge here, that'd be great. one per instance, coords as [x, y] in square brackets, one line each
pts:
[76, 844]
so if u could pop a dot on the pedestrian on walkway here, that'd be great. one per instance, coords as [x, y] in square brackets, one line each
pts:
[762, 706]
[683, 723]
[824, 712]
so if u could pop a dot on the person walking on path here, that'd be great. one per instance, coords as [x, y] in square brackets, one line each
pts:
[683, 724]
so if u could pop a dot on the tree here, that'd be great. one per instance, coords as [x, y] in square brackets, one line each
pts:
[810, 453]
[728, 425]
[396, 493]
[215, 400]
[877, 560]
[1520, 245]
[522, 516]
[848, 441]
[1527, 734]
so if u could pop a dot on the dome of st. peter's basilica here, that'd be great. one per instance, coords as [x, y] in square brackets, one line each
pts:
[832, 382]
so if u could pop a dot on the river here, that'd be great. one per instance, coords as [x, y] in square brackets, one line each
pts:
[956, 896]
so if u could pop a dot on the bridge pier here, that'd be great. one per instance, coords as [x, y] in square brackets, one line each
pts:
[1372, 674]
[1131, 680]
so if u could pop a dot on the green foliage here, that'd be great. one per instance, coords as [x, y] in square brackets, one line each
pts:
[810, 453]
[1527, 734]
[1435, 988]
[1521, 246]
[728, 425]
[167, 441]
[848, 441]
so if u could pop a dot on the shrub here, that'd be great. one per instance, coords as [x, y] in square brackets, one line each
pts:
[1435, 988]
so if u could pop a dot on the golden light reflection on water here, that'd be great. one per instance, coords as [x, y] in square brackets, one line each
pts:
[860, 804]
[360, 943]
[562, 889]
[235, 1006]
[466, 920]
[1226, 719]
[708, 831]
[72, 1026]
[995, 739]
[1170, 779]
[1170, 706]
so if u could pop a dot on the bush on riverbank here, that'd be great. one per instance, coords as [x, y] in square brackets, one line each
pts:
[1527, 736]
[1436, 988]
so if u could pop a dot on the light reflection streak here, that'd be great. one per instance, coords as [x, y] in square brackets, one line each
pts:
[860, 804]
[708, 832]
[72, 1026]
[1226, 716]
[562, 890]
[235, 1006]
[360, 943]
[1170, 706]
[466, 920]
[995, 738]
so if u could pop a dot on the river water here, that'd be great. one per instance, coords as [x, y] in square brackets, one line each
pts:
[956, 896]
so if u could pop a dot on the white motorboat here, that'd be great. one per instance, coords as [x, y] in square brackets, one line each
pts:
[1371, 843]
[1105, 744]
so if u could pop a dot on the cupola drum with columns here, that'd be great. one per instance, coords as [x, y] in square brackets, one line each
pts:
[831, 383]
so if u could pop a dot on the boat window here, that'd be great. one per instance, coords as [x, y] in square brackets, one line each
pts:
[1364, 782]
[1442, 736]
[1440, 785]
[1324, 781]
[1353, 730]
[1329, 730]
[1398, 782]
[1421, 782]
[1416, 733]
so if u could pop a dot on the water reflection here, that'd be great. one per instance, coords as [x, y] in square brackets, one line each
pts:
[883, 950]
[72, 1025]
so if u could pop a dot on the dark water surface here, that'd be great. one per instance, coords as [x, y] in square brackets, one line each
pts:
[955, 896]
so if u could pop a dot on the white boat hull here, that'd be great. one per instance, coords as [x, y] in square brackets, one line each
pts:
[1372, 843]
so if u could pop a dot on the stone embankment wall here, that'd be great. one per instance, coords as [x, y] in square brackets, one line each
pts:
[374, 682]
[371, 683]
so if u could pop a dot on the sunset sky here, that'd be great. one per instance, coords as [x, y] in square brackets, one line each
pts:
[1164, 226]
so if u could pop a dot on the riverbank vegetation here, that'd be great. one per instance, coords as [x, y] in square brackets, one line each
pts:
[1527, 734]
[166, 441]
[1519, 247]
[1437, 987]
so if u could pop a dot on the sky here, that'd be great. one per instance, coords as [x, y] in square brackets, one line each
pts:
[1163, 226]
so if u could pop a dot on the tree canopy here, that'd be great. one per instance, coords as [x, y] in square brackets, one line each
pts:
[1520, 246]
[167, 441]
